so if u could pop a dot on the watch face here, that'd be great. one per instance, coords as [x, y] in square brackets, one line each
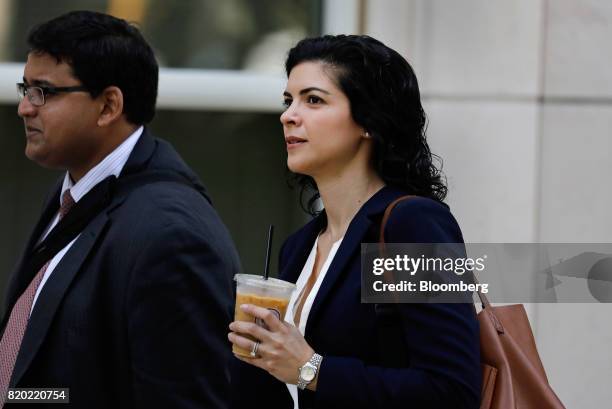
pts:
[307, 373]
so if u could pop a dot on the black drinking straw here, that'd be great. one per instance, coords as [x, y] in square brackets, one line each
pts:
[269, 250]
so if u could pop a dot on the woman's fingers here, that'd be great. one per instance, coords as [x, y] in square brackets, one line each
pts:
[270, 317]
[282, 350]
[250, 328]
[240, 341]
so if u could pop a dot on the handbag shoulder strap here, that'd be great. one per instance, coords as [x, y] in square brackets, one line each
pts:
[381, 239]
[389, 333]
[388, 210]
[385, 220]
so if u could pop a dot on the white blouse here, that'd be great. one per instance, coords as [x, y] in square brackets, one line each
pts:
[300, 284]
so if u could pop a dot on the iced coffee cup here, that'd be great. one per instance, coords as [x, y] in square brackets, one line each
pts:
[273, 294]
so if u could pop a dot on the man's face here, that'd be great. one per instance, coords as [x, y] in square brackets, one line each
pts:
[61, 134]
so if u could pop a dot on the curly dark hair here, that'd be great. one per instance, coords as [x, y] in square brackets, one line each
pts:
[384, 98]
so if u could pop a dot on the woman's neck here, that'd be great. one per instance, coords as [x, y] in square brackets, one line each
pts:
[343, 195]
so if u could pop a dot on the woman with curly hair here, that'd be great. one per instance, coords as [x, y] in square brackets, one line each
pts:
[355, 134]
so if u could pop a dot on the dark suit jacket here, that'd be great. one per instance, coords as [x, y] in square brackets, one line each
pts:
[440, 364]
[136, 313]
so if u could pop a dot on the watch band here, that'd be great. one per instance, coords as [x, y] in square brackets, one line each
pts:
[314, 362]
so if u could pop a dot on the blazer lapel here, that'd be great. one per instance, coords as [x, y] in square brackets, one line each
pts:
[19, 282]
[305, 240]
[142, 152]
[54, 290]
[351, 243]
[53, 293]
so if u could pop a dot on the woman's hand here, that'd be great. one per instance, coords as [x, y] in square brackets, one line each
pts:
[282, 350]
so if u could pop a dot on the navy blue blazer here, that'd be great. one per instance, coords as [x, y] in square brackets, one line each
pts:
[440, 364]
[136, 313]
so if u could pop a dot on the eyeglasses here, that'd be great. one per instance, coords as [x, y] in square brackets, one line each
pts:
[37, 95]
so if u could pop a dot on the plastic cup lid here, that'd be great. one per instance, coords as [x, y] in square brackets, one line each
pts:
[260, 281]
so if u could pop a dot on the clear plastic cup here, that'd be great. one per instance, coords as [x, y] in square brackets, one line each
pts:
[273, 294]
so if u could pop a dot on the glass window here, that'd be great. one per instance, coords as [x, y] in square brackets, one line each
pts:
[240, 156]
[213, 34]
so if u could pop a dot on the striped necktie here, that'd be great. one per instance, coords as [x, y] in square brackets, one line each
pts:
[20, 315]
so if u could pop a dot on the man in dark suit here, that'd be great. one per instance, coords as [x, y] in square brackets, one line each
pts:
[124, 292]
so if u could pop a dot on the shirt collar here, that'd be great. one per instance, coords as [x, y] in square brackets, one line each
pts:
[112, 164]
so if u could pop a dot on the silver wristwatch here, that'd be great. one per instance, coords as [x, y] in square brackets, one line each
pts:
[308, 372]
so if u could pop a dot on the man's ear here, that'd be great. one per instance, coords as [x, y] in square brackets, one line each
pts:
[111, 107]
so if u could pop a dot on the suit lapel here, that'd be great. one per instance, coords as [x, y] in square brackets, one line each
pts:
[19, 282]
[50, 210]
[356, 233]
[142, 152]
[350, 243]
[55, 289]
[302, 248]
[53, 292]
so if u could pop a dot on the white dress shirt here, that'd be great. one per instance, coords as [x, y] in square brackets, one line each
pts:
[112, 164]
[300, 284]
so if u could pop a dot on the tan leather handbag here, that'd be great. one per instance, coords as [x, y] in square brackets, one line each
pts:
[512, 373]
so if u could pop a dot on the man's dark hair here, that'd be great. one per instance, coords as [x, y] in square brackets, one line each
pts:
[385, 100]
[103, 51]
